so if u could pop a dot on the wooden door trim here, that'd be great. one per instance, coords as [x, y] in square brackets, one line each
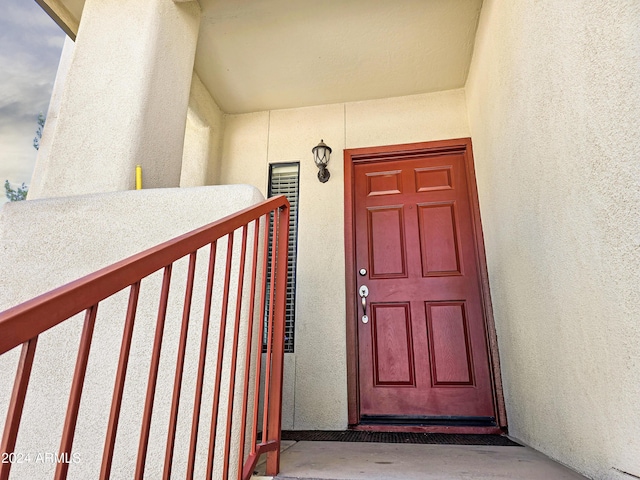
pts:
[356, 156]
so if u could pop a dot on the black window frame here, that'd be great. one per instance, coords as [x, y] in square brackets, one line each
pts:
[290, 308]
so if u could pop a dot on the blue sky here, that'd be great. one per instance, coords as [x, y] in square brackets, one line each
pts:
[30, 46]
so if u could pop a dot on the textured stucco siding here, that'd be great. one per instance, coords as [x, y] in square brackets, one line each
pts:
[46, 243]
[121, 101]
[202, 138]
[554, 101]
[315, 390]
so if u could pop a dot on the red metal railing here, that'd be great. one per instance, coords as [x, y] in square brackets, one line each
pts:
[23, 324]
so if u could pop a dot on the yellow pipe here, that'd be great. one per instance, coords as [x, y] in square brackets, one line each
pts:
[138, 177]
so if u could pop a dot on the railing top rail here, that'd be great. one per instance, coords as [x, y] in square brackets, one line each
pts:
[23, 322]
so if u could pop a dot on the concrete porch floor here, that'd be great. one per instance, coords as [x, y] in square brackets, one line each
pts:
[385, 461]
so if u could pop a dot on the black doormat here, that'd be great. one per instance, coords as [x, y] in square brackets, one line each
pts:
[398, 437]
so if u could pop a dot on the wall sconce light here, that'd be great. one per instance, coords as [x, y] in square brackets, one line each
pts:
[321, 154]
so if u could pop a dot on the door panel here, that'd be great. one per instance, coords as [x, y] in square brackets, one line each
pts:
[384, 183]
[449, 344]
[438, 239]
[386, 242]
[392, 345]
[423, 353]
[429, 179]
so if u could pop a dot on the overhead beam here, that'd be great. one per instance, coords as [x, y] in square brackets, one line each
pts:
[61, 15]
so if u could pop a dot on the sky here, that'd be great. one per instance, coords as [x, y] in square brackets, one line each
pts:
[30, 46]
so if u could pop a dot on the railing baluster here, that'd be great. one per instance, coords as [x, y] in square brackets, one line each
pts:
[201, 362]
[16, 404]
[71, 418]
[268, 366]
[23, 324]
[182, 349]
[263, 294]
[275, 411]
[220, 359]
[247, 366]
[153, 374]
[234, 354]
[118, 389]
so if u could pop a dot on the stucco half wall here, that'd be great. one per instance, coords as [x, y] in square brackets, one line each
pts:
[46, 243]
[315, 395]
[554, 101]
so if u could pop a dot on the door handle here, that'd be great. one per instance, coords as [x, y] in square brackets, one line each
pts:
[364, 293]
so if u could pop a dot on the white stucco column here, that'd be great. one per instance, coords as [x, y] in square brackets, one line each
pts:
[124, 100]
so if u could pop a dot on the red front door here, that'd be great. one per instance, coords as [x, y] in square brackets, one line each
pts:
[422, 351]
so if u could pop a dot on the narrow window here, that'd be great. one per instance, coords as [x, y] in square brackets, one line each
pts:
[284, 180]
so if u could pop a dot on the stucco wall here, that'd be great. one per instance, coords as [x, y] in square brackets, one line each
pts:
[123, 100]
[37, 177]
[55, 241]
[315, 394]
[554, 101]
[202, 138]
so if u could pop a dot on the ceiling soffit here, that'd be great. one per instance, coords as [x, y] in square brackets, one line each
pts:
[259, 55]
[255, 55]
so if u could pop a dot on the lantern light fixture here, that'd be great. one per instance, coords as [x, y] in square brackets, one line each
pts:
[321, 154]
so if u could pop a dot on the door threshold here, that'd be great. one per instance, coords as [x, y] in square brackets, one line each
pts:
[428, 420]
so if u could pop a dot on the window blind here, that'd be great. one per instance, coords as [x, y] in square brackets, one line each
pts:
[284, 180]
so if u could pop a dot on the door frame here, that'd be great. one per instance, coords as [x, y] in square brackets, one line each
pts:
[354, 156]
